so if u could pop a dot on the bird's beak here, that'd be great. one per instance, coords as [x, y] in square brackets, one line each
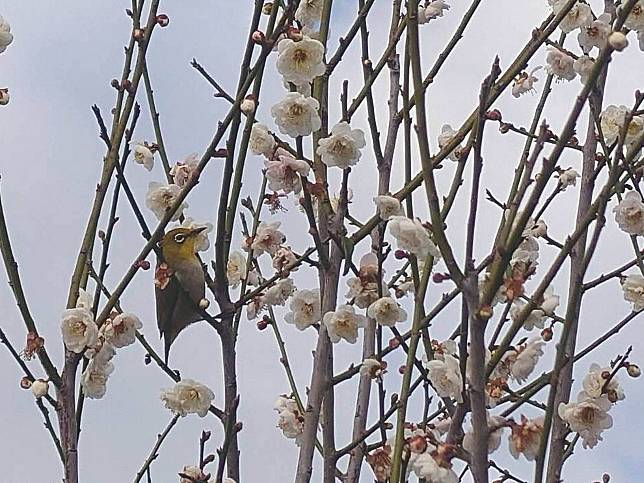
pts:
[198, 230]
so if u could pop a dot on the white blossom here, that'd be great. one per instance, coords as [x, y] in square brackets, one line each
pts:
[6, 37]
[525, 82]
[635, 19]
[102, 351]
[342, 147]
[523, 359]
[268, 238]
[261, 141]
[583, 66]
[579, 16]
[344, 324]
[121, 330]
[94, 378]
[373, 368]
[629, 214]
[309, 12]
[248, 105]
[445, 137]
[182, 171]
[283, 258]
[527, 252]
[388, 206]
[596, 34]
[142, 154]
[78, 326]
[412, 236]
[300, 62]
[161, 197]
[235, 268]
[536, 318]
[279, 293]
[496, 424]
[445, 376]
[434, 10]
[568, 177]
[588, 416]
[594, 382]
[535, 228]
[560, 64]
[39, 388]
[305, 309]
[386, 311]
[633, 288]
[290, 419]
[187, 397]
[618, 41]
[193, 472]
[283, 172]
[526, 437]
[425, 467]
[297, 115]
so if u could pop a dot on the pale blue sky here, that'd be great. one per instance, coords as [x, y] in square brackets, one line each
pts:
[63, 57]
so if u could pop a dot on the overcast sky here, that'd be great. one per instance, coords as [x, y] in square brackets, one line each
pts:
[61, 62]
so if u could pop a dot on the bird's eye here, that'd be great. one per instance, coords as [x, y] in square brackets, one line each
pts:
[179, 238]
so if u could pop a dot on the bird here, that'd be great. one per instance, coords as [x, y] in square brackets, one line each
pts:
[180, 284]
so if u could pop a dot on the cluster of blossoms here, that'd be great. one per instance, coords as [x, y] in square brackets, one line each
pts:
[289, 418]
[588, 416]
[6, 37]
[82, 335]
[188, 397]
[613, 124]
[431, 11]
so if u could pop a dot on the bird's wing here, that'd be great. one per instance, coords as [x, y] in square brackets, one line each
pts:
[166, 301]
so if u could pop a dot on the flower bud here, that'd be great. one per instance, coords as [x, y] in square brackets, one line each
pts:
[163, 20]
[259, 37]
[204, 304]
[440, 277]
[394, 342]
[618, 41]
[546, 334]
[402, 369]
[4, 97]
[634, 370]
[138, 34]
[504, 128]
[116, 84]
[605, 374]
[248, 105]
[40, 388]
[494, 115]
[400, 254]
[262, 324]
[267, 8]
[25, 383]
[147, 360]
[612, 396]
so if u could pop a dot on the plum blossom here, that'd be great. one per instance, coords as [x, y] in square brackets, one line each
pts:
[412, 236]
[594, 382]
[78, 326]
[279, 293]
[39, 388]
[161, 197]
[583, 66]
[560, 64]
[567, 177]
[268, 238]
[386, 311]
[526, 437]
[94, 378]
[527, 252]
[388, 206]
[363, 289]
[426, 467]
[187, 397]
[373, 368]
[344, 324]
[445, 137]
[235, 268]
[194, 473]
[588, 416]
[596, 34]
[496, 424]
[434, 10]
[633, 288]
[309, 12]
[143, 154]
[629, 214]
[182, 171]
[290, 419]
[297, 115]
[612, 121]
[284, 258]
[635, 19]
[121, 330]
[445, 376]
[6, 37]
[580, 15]
[523, 359]
[5, 97]
[283, 172]
[300, 62]
[342, 147]
[305, 309]
[261, 141]
[525, 82]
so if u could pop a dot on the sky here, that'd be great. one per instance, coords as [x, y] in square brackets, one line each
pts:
[61, 62]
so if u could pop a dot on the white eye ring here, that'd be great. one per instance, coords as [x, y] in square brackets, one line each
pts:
[179, 238]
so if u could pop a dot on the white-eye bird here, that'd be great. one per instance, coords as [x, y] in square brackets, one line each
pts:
[178, 299]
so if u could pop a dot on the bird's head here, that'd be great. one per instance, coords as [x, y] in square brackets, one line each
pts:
[178, 245]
